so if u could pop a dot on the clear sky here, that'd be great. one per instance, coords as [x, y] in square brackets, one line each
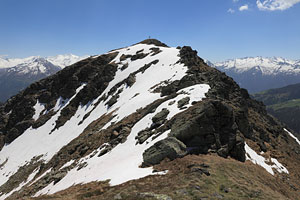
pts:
[217, 29]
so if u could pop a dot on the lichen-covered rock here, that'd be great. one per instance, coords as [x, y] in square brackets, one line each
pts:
[208, 125]
[182, 102]
[151, 195]
[160, 117]
[168, 148]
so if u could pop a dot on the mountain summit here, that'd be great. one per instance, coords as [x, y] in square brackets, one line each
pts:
[146, 121]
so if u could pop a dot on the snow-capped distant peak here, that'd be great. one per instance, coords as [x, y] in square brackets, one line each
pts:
[34, 66]
[11, 62]
[267, 66]
[65, 60]
[59, 60]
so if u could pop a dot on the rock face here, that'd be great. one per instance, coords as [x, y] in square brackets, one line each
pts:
[160, 117]
[112, 117]
[211, 125]
[168, 148]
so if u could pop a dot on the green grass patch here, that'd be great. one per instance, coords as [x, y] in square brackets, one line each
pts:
[286, 104]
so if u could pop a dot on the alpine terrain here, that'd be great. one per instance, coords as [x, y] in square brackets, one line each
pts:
[258, 73]
[16, 74]
[284, 104]
[146, 121]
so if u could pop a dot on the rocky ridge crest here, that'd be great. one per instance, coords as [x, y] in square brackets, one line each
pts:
[220, 123]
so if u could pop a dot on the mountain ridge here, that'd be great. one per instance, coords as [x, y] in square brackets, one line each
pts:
[61, 60]
[16, 74]
[269, 65]
[259, 73]
[112, 118]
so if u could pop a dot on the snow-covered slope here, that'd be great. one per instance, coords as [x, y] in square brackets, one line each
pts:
[82, 125]
[23, 149]
[258, 73]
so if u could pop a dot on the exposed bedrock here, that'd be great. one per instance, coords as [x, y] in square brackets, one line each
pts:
[208, 126]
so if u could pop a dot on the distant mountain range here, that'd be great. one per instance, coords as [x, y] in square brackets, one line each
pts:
[258, 73]
[274, 81]
[16, 74]
[284, 104]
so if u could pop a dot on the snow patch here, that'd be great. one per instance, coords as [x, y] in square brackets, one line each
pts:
[67, 164]
[24, 148]
[260, 160]
[30, 177]
[39, 177]
[38, 107]
[294, 137]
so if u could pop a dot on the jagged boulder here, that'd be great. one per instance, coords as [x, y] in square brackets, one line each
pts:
[209, 125]
[160, 118]
[168, 148]
[182, 102]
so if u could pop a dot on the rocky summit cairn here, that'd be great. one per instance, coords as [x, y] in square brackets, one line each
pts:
[146, 109]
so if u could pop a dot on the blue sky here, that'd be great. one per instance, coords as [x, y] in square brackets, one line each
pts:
[217, 29]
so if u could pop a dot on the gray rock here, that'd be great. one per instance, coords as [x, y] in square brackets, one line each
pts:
[154, 196]
[182, 102]
[223, 151]
[171, 103]
[130, 80]
[58, 176]
[168, 148]
[209, 126]
[118, 197]
[144, 135]
[200, 171]
[218, 196]
[160, 117]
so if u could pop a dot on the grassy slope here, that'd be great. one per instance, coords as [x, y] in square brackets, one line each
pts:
[229, 179]
[284, 104]
[279, 95]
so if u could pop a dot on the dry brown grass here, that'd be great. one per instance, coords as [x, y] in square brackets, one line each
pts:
[229, 179]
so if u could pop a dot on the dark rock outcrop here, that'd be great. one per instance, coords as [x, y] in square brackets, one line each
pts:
[183, 102]
[222, 121]
[168, 148]
[160, 118]
[209, 125]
